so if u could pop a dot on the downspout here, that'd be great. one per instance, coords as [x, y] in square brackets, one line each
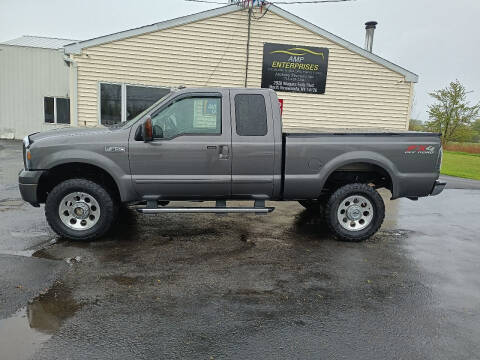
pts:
[410, 106]
[73, 85]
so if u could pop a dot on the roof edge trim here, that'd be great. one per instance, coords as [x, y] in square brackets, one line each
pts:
[76, 48]
[409, 76]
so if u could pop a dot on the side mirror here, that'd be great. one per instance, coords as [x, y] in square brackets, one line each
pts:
[147, 130]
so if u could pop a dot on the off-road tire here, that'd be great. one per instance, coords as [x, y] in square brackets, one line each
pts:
[108, 209]
[351, 190]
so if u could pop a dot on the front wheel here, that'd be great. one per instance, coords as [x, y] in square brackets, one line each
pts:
[80, 209]
[355, 212]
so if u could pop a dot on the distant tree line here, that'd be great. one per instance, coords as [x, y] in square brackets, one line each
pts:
[451, 115]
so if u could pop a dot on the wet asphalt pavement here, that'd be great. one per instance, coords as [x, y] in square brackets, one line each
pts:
[241, 286]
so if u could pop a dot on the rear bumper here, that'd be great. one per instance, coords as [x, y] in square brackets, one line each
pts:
[28, 184]
[438, 187]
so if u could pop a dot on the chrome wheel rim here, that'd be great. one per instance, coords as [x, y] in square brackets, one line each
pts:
[79, 211]
[355, 213]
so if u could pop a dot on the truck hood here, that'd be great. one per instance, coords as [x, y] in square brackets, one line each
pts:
[48, 147]
[68, 132]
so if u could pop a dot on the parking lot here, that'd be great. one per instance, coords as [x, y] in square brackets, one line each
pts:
[242, 286]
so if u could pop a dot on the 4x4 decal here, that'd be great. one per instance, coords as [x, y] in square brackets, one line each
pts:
[420, 149]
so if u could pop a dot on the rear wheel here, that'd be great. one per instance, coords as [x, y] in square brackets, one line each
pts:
[355, 212]
[80, 209]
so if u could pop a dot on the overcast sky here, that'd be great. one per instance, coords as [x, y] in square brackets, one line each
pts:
[437, 39]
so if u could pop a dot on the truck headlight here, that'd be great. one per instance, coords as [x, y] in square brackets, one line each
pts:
[26, 142]
[27, 156]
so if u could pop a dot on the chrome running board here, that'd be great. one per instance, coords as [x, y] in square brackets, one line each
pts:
[215, 210]
[220, 208]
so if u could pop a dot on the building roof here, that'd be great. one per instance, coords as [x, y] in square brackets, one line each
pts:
[39, 42]
[76, 48]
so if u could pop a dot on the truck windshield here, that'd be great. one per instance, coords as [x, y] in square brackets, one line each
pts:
[124, 125]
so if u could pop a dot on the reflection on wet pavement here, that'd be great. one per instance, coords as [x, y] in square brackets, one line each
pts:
[24, 332]
[17, 339]
[49, 310]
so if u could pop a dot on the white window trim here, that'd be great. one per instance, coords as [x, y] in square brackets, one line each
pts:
[55, 110]
[123, 97]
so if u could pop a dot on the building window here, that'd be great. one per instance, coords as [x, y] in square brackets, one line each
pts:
[63, 111]
[57, 110]
[189, 116]
[49, 106]
[250, 115]
[110, 104]
[122, 102]
[139, 98]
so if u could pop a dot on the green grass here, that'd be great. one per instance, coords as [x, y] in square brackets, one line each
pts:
[461, 164]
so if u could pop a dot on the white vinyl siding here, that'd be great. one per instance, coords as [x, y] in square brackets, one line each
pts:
[359, 93]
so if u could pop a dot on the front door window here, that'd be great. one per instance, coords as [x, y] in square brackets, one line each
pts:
[189, 116]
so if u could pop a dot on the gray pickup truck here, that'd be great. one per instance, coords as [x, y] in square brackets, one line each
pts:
[222, 144]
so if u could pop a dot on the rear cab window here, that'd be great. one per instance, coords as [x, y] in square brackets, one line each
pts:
[250, 115]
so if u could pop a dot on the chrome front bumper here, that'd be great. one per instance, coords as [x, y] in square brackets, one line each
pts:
[28, 184]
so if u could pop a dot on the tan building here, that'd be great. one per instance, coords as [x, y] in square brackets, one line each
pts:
[115, 76]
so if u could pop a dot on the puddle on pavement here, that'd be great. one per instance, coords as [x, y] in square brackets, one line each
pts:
[17, 339]
[28, 234]
[36, 252]
[23, 333]
[11, 202]
[7, 204]
[26, 253]
[44, 254]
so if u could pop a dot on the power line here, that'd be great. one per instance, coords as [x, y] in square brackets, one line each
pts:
[310, 1]
[265, 12]
[221, 59]
[278, 2]
[209, 2]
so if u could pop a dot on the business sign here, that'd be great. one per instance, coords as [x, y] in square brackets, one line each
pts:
[291, 68]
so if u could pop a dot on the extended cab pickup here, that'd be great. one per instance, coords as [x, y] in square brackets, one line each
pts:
[222, 144]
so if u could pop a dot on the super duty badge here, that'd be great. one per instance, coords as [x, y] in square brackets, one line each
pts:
[115, 148]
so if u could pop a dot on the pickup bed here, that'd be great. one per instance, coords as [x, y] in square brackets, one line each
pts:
[222, 144]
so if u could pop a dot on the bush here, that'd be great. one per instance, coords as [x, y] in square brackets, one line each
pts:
[470, 148]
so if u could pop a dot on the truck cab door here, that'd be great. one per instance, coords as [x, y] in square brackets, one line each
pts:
[190, 155]
[253, 144]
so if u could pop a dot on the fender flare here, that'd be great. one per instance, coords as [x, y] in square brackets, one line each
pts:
[369, 157]
[121, 179]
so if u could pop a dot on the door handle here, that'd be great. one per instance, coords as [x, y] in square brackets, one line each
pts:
[224, 152]
[211, 147]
